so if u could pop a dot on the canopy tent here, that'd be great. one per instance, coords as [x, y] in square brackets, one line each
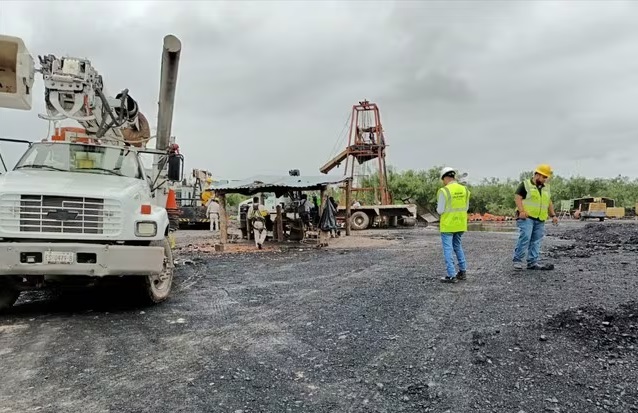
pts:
[280, 185]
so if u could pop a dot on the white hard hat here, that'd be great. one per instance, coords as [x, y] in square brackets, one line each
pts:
[446, 170]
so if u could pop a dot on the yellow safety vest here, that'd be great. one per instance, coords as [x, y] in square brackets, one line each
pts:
[454, 217]
[205, 196]
[536, 203]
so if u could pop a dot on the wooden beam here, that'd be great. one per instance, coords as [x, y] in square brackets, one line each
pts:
[223, 219]
[323, 235]
[280, 225]
[334, 162]
[348, 206]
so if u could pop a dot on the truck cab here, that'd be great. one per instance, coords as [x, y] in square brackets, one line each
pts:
[75, 209]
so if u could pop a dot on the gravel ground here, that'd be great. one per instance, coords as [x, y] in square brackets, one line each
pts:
[344, 329]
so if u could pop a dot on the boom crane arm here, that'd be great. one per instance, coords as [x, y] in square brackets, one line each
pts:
[75, 90]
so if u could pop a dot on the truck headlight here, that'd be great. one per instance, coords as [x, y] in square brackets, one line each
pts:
[145, 229]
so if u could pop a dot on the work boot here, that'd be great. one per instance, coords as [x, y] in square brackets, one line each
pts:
[461, 275]
[449, 280]
[259, 246]
[540, 267]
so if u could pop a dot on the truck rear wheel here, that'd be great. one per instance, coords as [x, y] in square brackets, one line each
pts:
[8, 295]
[158, 287]
[359, 220]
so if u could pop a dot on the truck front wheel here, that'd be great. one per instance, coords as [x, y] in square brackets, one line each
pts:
[158, 287]
[8, 295]
[359, 220]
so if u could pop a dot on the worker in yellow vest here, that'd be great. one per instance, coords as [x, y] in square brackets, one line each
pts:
[533, 207]
[453, 201]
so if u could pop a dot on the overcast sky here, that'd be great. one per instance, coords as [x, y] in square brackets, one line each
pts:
[491, 88]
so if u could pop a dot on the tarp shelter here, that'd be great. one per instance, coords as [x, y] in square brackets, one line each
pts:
[279, 184]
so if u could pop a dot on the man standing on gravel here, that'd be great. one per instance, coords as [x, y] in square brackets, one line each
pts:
[452, 205]
[257, 218]
[212, 209]
[533, 207]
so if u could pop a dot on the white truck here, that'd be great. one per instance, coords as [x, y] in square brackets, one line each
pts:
[82, 206]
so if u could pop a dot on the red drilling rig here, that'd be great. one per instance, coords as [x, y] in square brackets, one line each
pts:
[366, 147]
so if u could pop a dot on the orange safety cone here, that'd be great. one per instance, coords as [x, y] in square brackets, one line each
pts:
[172, 210]
[171, 201]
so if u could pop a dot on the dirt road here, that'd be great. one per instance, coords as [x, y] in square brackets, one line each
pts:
[344, 330]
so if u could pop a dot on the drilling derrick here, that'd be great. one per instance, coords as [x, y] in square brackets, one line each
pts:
[366, 146]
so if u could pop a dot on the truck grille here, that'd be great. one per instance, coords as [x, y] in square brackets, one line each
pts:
[60, 215]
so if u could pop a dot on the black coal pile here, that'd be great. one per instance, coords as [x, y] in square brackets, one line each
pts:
[596, 238]
[614, 332]
[607, 233]
[571, 251]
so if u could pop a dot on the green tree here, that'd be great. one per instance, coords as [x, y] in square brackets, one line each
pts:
[495, 195]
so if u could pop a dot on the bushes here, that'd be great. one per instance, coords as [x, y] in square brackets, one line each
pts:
[496, 196]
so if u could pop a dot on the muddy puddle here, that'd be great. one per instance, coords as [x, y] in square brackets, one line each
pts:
[492, 227]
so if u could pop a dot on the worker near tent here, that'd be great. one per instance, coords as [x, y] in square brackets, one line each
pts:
[207, 193]
[304, 209]
[453, 201]
[335, 204]
[533, 207]
[257, 219]
[212, 209]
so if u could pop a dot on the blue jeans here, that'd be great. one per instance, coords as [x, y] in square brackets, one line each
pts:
[452, 243]
[530, 234]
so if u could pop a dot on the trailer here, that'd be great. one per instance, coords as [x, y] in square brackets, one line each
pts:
[378, 216]
[591, 207]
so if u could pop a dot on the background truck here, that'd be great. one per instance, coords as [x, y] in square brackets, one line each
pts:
[82, 206]
[591, 207]
[365, 165]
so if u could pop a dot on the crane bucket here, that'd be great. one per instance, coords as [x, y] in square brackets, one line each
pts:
[17, 73]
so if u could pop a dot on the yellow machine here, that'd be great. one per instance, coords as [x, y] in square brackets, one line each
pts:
[592, 207]
[193, 200]
[207, 194]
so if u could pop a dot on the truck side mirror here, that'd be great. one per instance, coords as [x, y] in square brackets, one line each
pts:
[175, 168]
[17, 74]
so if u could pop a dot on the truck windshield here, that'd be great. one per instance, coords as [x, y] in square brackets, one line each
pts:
[81, 158]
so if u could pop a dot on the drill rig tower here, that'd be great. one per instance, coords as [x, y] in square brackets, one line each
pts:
[366, 142]
[366, 147]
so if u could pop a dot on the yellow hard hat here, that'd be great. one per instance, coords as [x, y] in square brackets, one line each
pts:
[544, 170]
[209, 180]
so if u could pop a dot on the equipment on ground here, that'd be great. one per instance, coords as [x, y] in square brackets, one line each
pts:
[83, 206]
[295, 223]
[591, 207]
[373, 204]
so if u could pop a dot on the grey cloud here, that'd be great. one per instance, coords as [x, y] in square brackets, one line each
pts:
[493, 87]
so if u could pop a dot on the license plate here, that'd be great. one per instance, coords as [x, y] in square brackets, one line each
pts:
[53, 257]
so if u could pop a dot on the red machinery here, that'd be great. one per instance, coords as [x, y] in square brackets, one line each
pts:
[366, 142]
